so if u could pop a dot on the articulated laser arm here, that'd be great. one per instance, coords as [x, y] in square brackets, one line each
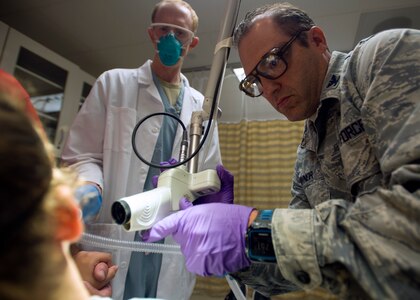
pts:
[214, 84]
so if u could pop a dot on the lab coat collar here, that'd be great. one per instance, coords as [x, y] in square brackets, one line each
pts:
[145, 80]
[144, 74]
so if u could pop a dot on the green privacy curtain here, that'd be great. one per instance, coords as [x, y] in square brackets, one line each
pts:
[261, 155]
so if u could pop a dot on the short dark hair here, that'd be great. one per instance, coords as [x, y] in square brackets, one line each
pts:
[289, 18]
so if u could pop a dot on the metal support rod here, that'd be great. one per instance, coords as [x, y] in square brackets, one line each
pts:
[196, 130]
[214, 84]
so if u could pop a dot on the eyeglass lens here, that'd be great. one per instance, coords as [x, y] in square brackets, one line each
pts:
[252, 87]
[184, 36]
[272, 66]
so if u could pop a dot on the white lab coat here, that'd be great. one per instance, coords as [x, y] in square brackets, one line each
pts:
[99, 146]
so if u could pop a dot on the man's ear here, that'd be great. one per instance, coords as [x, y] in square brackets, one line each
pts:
[151, 34]
[317, 38]
[194, 42]
[68, 216]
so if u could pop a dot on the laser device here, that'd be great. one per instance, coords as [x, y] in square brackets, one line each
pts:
[141, 211]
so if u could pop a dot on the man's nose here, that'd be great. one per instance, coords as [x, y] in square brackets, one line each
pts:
[270, 87]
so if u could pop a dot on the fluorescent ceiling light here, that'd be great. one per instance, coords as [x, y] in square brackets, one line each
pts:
[240, 73]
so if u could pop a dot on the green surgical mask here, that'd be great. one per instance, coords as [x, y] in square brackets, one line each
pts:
[169, 49]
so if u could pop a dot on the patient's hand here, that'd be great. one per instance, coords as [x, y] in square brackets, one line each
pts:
[97, 271]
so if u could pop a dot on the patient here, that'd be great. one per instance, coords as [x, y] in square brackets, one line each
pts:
[38, 217]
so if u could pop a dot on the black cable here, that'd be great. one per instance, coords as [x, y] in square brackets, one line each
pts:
[133, 140]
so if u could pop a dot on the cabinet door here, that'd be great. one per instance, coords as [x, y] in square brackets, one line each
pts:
[79, 88]
[54, 83]
[4, 28]
[46, 83]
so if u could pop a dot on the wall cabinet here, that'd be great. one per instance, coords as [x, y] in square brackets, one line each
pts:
[3, 34]
[57, 86]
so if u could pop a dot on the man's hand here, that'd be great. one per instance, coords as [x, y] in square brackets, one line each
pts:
[170, 162]
[211, 236]
[224, 195]
[97, 271]
[90, 201]
[101, 271]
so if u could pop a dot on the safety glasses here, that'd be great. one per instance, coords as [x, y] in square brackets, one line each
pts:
[182, 34]
[271, 66]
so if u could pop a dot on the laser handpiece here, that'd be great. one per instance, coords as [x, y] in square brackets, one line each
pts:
[143, 210]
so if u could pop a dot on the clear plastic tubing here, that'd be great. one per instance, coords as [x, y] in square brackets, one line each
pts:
[108, 243]
[234, 286]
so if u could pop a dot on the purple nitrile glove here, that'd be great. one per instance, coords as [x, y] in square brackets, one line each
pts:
[225, 194]
[170, 162]
[211, 236]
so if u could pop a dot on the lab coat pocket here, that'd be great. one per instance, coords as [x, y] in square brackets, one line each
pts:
[120, 122]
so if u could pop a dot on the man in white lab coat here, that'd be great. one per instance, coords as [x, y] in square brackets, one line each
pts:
[99, 147]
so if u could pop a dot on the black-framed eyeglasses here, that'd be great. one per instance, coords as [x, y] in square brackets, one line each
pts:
[271, 66]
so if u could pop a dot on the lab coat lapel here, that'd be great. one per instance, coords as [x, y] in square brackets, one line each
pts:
[148, 102]
[145, 80]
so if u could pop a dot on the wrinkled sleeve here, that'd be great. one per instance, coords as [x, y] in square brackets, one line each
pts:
[266, 278]
[83, 149]
[299, 199]
[370, 246]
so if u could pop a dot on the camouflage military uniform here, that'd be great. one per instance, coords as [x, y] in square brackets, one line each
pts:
[353, 225]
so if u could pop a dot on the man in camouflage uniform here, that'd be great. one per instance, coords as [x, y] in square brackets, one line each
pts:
[353, 225]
